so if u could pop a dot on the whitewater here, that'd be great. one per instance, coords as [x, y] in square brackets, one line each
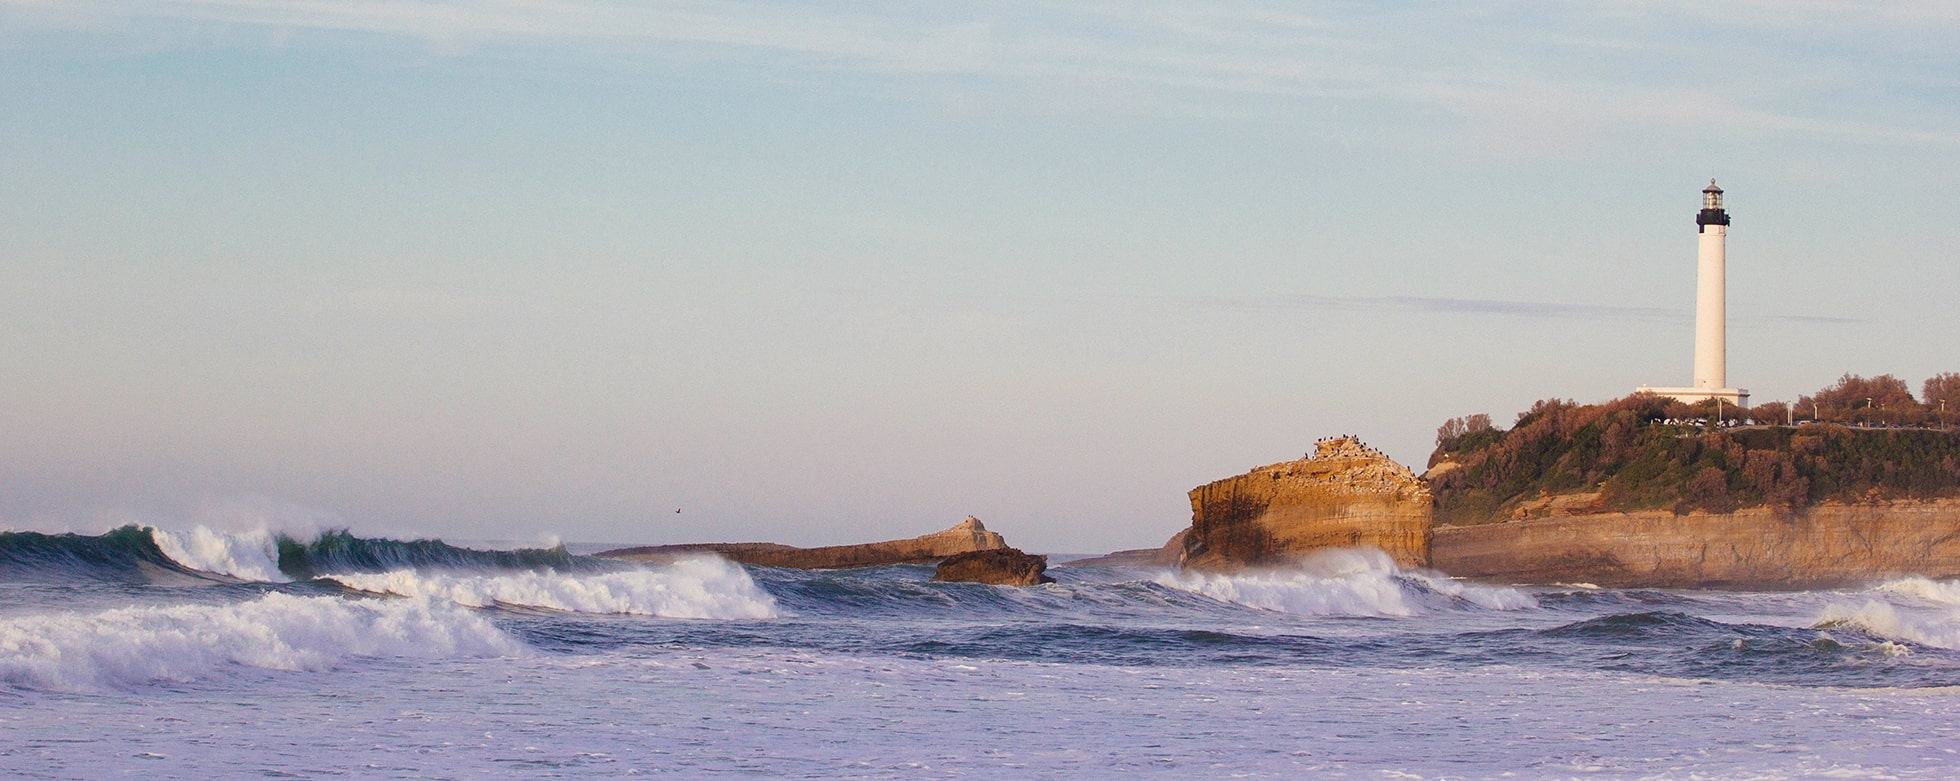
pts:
[202, 653]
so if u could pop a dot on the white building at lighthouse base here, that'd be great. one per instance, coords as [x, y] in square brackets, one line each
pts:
[1736, 396]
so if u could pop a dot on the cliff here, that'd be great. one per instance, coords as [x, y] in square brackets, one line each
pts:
[1344, 495]
[1760, 547]
[967, 535]
[1348, 495]
[1639, 453]
[1640, 491]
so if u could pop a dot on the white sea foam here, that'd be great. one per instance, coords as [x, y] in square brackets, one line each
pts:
[1943, 592]
[1488, 597]
[129, 646]
[690, 588]
[1348, 582]
[246, 555]
[1935, 628]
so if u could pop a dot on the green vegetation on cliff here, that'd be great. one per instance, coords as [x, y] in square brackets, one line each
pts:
[1635, 455]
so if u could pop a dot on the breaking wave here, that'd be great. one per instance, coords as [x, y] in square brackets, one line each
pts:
[688, 588]
[1351, 582]
[138, 645]
[251, 556]
[1940, 629]
[126, 555]
[337, 552]
[1935, 591]
[136, 554]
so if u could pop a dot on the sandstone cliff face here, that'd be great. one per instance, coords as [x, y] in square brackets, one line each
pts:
[1345, 495]
[967, 535]
[1822, 546]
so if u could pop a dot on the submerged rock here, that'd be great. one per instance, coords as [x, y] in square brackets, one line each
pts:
[1000, 567]
[965, 536]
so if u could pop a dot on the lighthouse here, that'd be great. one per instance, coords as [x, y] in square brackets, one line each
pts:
[1711, 374]
[1711, 293]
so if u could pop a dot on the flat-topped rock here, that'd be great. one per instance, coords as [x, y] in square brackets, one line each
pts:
[965, 536]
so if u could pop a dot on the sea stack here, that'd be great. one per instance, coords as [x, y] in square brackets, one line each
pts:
[1344, 495]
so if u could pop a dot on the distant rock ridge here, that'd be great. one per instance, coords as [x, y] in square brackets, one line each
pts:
[1343, 495]
[965, 536]
[1167, 555]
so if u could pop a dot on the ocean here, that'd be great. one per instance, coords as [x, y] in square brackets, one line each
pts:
[205, 654]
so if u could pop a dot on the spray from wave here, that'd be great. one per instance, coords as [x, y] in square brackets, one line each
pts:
[1930, 617]
[1937, 592]
[252, 555]
[1349, 582]
[132, 646]
[688, 588]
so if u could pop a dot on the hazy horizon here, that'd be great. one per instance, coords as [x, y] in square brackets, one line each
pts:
[817, 275]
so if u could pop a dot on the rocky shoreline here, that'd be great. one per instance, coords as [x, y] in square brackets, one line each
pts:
[1349, 495]
[1754, 548]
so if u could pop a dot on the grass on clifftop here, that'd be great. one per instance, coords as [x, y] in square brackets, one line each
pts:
[1626, 452]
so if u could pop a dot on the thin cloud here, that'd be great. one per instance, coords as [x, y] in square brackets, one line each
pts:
[1813, 319]
[1429, 305]
[1489, 306]
[1556, 79]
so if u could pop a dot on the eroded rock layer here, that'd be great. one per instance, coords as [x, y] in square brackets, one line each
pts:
[1344, 495]
[1762, 547]
[967, 535]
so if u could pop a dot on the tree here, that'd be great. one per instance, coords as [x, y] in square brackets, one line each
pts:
[1708, 490]
[1770, 413]
[1855, 399]
[1455, 429]
[1941, 394]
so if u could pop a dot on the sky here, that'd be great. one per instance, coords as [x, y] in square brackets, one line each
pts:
[821, 273]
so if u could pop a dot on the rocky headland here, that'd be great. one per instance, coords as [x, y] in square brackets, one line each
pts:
[1343, 495]
[965, 536]
[1622, 494]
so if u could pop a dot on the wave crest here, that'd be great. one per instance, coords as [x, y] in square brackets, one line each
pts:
[689, 588]
[1346, 582]
[138, 645]
[1940, 630]
[252, 556]
[1942, 592]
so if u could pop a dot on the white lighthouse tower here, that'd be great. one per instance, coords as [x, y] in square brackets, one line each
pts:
[1711, 309]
